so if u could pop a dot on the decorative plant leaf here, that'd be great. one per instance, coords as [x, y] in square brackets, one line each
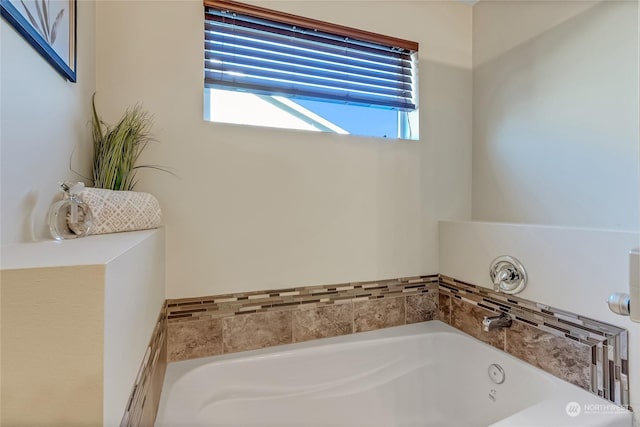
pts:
[32, 19]
[44, 26]
[54, 27]
[97, 123]
[45, 12]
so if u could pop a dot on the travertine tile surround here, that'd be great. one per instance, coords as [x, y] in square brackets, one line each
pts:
[588, 353]
[199, 327]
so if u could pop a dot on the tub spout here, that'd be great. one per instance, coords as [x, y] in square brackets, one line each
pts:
[495, 322]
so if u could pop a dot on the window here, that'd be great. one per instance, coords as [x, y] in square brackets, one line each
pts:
[268, 68]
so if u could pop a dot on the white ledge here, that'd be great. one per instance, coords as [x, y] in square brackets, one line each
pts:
[91, 250]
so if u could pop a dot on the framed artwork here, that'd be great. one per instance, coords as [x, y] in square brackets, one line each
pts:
[50, 27]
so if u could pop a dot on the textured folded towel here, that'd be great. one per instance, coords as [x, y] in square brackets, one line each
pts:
[115, 211]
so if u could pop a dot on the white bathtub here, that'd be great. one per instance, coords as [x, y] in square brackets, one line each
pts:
[427, 374]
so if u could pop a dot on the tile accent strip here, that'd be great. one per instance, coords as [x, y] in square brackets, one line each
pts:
[143, 402]
[583, 351]
[207, 326]
[189, 309]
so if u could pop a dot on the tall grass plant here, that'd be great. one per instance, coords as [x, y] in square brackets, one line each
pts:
[117, 148]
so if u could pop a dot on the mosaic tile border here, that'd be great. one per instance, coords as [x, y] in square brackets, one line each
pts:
[609, 351]
[204, 308]
[144, 399]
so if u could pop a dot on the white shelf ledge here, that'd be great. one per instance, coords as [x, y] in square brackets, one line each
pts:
[91, 250]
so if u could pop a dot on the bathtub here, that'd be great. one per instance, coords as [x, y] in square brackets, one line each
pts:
[426, 374]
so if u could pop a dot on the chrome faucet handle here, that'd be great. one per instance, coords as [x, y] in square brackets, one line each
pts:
[508, 275]
[500, 277]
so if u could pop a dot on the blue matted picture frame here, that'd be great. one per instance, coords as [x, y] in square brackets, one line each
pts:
[50, 30]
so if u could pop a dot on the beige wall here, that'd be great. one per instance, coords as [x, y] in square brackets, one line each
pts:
[43, 118]
[258, 208]
[555, 113]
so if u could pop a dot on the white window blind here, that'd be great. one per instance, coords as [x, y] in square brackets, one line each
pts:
[271, 56]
